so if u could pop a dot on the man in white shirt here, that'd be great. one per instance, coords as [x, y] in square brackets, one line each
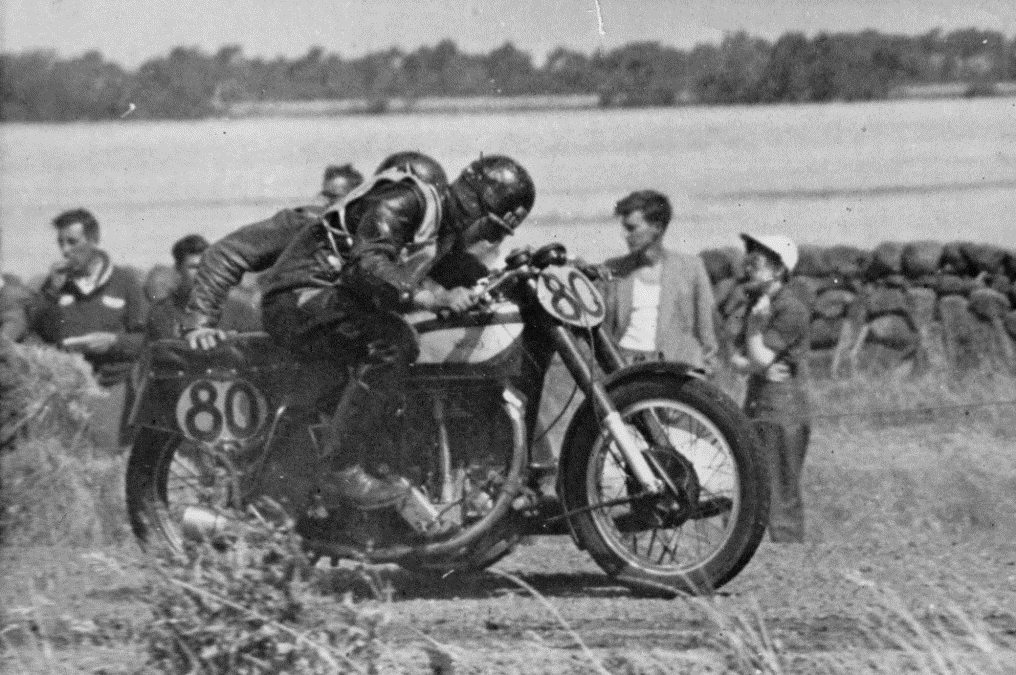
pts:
[659, 302]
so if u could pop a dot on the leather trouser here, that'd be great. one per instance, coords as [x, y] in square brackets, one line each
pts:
[376, 346]
[780, 414]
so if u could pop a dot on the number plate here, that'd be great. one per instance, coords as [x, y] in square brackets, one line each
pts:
[570, 297]
[210, 411]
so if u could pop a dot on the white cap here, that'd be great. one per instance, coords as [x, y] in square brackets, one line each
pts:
[780, 246]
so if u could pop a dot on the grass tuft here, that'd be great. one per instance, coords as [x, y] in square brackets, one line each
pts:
[58, 487]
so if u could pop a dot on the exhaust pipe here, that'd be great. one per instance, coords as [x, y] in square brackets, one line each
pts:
[203, 524]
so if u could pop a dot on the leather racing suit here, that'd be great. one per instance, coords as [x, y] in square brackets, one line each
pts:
[334, 282]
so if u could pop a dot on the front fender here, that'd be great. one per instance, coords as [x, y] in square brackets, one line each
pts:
[676, 369]
[585, 415]
[666, 369]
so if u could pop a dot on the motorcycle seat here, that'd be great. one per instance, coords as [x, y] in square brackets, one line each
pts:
[244, 352]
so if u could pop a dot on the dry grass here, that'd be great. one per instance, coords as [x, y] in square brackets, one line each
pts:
[58, 488]
[931, 455]
[891, 458]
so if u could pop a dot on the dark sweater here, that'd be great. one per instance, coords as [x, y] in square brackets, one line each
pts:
[116, 305]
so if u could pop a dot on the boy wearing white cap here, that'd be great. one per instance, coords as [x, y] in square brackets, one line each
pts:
[772, 348]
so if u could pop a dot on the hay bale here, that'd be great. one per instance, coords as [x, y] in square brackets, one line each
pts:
[1009, 321]
[802, 290]
[921, 258]
[957, 331]
[953, 310]
[886, 259]
[1010, 263]
[983, 257]
[847, 261]
[833, 303]
[820, 285]
[881, 301]
[825, 333]
[814, 284]
[812, 262]
[988, 304]
[953, 284]
[719, 264]
[1001, 283]
[953, 260]
[892, 330]
[896, 281]
[922, 304]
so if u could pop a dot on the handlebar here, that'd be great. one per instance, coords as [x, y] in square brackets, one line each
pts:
[520, 264]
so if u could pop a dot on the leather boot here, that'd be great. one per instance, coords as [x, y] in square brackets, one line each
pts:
[357, 487]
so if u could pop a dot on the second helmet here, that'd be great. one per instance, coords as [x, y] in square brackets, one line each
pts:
[496, 185]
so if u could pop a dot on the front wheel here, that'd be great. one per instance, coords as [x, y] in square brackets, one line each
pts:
[694, 538]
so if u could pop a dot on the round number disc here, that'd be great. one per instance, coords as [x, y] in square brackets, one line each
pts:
[569, 296]
[209, 411]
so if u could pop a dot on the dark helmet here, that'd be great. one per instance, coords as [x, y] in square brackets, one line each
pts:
[498, 187]
[422, 166]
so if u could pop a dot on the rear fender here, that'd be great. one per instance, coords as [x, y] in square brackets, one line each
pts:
[212, 403]
[585, 414]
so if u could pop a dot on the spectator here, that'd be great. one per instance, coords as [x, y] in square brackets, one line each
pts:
[96, 308]
[338, 182]
[773, 349]
[167, 316]
[659, 301]
[160, 282]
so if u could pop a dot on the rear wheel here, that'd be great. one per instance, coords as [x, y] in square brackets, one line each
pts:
[691, 542]
[177, 490]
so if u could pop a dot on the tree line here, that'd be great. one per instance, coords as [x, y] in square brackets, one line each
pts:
[190, 83]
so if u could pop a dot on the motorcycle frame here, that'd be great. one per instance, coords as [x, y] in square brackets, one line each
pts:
[522, 373]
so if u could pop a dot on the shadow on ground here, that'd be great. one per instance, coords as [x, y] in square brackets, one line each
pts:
[398, 584]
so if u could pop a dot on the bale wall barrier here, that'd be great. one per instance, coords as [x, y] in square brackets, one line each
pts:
[902, 304]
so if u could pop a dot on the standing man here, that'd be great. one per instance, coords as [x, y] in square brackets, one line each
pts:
[338, 182]
[773, 349]
[96, 308]
[659, 302]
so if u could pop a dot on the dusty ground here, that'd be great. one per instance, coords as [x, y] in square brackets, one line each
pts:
[815, 601]
[882, 585]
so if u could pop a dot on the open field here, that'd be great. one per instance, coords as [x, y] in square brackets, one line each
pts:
[909, 562]
[908, 567]
[835, 173]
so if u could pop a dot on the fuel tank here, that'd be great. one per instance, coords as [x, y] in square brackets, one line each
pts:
[481, 343]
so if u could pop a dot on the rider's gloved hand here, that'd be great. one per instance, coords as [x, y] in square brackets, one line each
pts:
[204, 338]
[460, 299]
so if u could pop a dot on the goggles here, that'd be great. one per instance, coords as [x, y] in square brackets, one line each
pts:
[499, 227]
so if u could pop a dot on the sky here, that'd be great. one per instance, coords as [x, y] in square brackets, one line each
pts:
[131, 31]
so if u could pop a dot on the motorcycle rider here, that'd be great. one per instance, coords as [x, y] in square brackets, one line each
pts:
[462, 266]
[335, 283]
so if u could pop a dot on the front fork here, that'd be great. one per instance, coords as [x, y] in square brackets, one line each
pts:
[603, 407]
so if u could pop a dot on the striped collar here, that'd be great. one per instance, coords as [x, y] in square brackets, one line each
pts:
[88, 284]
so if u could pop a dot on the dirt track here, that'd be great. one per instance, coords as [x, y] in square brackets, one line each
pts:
[815, 601]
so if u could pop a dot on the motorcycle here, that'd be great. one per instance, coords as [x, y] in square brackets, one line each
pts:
[659, 476]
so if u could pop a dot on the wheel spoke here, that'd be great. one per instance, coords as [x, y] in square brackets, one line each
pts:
[698, 448]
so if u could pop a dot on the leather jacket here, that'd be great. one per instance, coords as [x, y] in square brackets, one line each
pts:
[389, 253]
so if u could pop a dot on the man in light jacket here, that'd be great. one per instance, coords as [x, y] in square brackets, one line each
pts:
[659, 301]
